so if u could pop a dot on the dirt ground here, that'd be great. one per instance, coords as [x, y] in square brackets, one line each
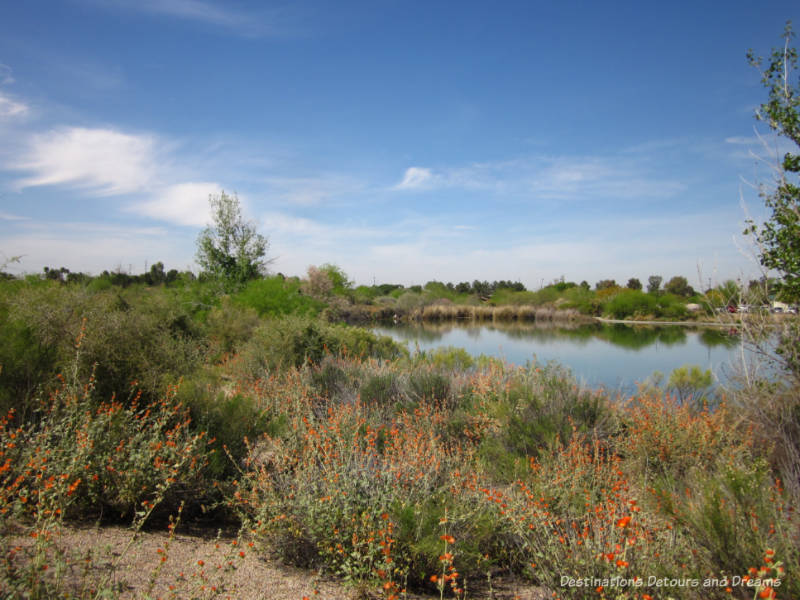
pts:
[199, 563]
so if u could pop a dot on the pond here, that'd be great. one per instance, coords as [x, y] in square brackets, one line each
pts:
[615, 356]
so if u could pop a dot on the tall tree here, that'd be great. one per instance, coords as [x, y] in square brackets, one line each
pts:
[231, 249]
[779, 236]
[654, 283]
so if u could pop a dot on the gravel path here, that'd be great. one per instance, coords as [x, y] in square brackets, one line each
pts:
[199, 564]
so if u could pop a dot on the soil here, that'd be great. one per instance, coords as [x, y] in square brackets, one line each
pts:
[203, 563]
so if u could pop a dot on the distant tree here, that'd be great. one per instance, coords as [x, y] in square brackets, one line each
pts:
[56, 274]
[779, 236]
[318, 284]
[231, 250]
[634, 284]
[605, 284]
[679, 286]
[654, 284]
[339, 279]
[585, 285]
[156, 275]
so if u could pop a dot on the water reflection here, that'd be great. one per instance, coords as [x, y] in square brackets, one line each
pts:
[613, 355]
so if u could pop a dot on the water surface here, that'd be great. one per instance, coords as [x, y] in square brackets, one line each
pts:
[615, 356]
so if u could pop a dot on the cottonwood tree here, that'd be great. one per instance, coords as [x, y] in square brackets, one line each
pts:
[231, 250]
[779, 237]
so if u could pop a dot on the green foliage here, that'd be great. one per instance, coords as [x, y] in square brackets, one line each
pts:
[689, 381]
[430, 386]
[295, 341]
[275, 296]
[127, 336]
[779, 236]
[632, 303]
[634, 284]
[605, 284]
[654, 284]
[679, 286]
[230, 251]
[382, 389]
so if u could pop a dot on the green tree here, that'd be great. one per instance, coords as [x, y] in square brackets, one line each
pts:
[634, 284]
[779, 236]
[679, 286]
[654, 284]
[605, 284]
[231, 250]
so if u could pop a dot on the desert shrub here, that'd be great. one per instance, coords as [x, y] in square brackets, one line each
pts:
[227, 326]
[295, 341]
[541, 407]
[450, 358]
[575, 514]
[134, 335]
[228, 415]
[427, 385]
[383, 389]
[84, 456]
[408, 301]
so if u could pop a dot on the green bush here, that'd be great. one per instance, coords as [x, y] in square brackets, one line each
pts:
[631, 303]
[295, 341]
[136, 335]
[275, 296]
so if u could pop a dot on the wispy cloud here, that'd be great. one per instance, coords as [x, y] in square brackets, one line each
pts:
[309, 191]
[547, 177]
[108, 162]
[103, 161]
[11, 108]
[216, 14]
[6, 76]
[4, 216]
[420, 178]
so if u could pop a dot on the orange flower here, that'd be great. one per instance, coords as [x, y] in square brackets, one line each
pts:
[448, 538]
[767, 592]
[622, 563]
[624, 521]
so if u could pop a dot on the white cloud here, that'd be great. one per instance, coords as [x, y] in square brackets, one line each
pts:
[104, 161]
[182, 203]
[11, 108]
[418, 178]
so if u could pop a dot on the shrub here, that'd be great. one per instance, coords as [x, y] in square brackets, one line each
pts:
[631, 303]
[275, 296]
[134, 335]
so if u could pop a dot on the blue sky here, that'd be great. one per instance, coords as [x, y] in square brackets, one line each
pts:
[403, 141]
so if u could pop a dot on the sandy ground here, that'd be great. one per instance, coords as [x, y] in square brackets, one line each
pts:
[201, 564]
